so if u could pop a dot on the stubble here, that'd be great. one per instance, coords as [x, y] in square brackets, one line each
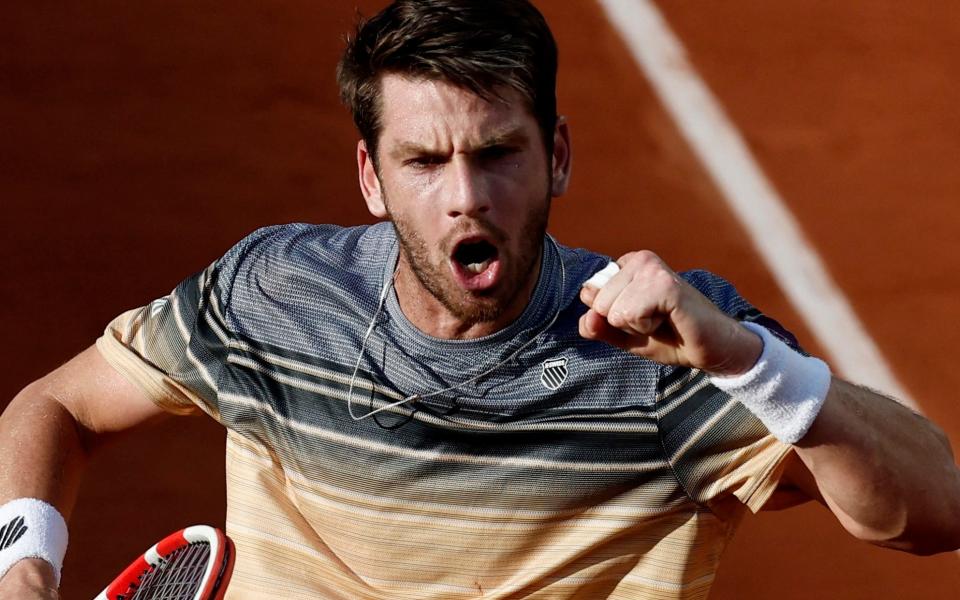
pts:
[433, 272]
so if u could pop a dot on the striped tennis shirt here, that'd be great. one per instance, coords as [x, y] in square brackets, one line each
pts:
[572, 470]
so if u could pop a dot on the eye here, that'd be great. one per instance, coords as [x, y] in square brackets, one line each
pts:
[493, 153]
[424, 162]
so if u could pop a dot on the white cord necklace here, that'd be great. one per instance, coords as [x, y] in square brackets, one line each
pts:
[380, 302]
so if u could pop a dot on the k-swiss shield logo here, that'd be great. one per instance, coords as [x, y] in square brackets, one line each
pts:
[554, 373]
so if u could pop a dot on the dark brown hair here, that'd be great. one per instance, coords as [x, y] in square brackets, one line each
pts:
[480, 45]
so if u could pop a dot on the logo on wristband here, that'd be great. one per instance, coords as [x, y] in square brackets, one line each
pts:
[11, 532]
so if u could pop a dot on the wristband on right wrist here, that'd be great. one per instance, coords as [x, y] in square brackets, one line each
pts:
[31, 528]
[784, 389]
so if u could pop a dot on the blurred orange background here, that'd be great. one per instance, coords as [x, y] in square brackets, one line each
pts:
[140, 140]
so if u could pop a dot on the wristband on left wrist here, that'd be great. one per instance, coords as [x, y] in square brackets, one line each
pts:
[784, 389]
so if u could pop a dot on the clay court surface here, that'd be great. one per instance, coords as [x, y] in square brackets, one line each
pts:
[140, 140]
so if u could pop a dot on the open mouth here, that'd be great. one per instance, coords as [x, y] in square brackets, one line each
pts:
[475, 257]
[475, 264]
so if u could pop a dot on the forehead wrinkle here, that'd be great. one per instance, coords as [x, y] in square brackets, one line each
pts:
[436, 117]
[507, 136]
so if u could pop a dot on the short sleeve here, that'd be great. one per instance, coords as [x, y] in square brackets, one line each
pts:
[173, 348]
[176, 347]
[718, 449]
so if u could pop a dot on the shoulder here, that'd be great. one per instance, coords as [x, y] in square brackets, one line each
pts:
[723, 294]
[303, 262]
[297, 241]
[719, 291]
[314, 247]
[580, 264]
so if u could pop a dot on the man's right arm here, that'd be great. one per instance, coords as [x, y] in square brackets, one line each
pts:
[48, 432]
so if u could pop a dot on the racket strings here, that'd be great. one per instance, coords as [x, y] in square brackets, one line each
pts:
[177, 576]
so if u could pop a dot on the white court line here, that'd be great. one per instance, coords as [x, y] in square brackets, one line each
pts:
[774, 232]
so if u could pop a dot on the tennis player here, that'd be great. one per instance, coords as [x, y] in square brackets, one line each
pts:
[449, 404]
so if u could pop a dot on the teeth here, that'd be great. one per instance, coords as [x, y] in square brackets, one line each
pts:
[477, 268]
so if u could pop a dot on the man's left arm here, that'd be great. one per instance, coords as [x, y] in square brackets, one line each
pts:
[887, 473]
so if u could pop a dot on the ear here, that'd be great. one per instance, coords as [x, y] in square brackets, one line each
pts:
[562, 157]
[370, 182]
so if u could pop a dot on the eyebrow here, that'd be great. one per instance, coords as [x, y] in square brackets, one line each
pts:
[508, 137]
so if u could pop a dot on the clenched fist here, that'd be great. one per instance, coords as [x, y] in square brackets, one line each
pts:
[650, 311]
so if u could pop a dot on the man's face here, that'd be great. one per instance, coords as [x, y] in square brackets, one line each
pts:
[467, 184]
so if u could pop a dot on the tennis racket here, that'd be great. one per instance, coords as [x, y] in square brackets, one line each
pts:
[191, 564]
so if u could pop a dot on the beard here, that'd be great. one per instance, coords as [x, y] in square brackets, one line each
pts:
[433, 272]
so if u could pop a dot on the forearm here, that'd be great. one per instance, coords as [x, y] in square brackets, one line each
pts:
[46, 435]
[41, 456]
[42, 452]
[887, 473]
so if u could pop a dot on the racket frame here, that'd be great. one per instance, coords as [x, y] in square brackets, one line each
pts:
[221, 559]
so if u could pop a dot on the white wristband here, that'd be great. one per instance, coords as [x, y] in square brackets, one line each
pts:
[785, 389]
[31, 528]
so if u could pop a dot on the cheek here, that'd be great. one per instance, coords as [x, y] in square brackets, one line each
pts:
[416, 196]
[528, 196]
[417, 223]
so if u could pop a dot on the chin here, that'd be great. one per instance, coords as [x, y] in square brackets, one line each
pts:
[477, 310]
[475, 306]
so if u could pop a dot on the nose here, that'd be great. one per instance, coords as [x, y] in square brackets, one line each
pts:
[468, 193]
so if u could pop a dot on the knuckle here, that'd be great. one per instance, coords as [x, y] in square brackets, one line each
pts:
[646, 264]
[647, 260]
[617, 318]
[665, 281]
[601, 304]
[638, 259]
[647, 256]
[669, 282]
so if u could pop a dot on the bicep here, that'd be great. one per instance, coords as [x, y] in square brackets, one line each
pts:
[100, 399]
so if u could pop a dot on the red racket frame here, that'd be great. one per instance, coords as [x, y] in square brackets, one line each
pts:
[216, 575]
